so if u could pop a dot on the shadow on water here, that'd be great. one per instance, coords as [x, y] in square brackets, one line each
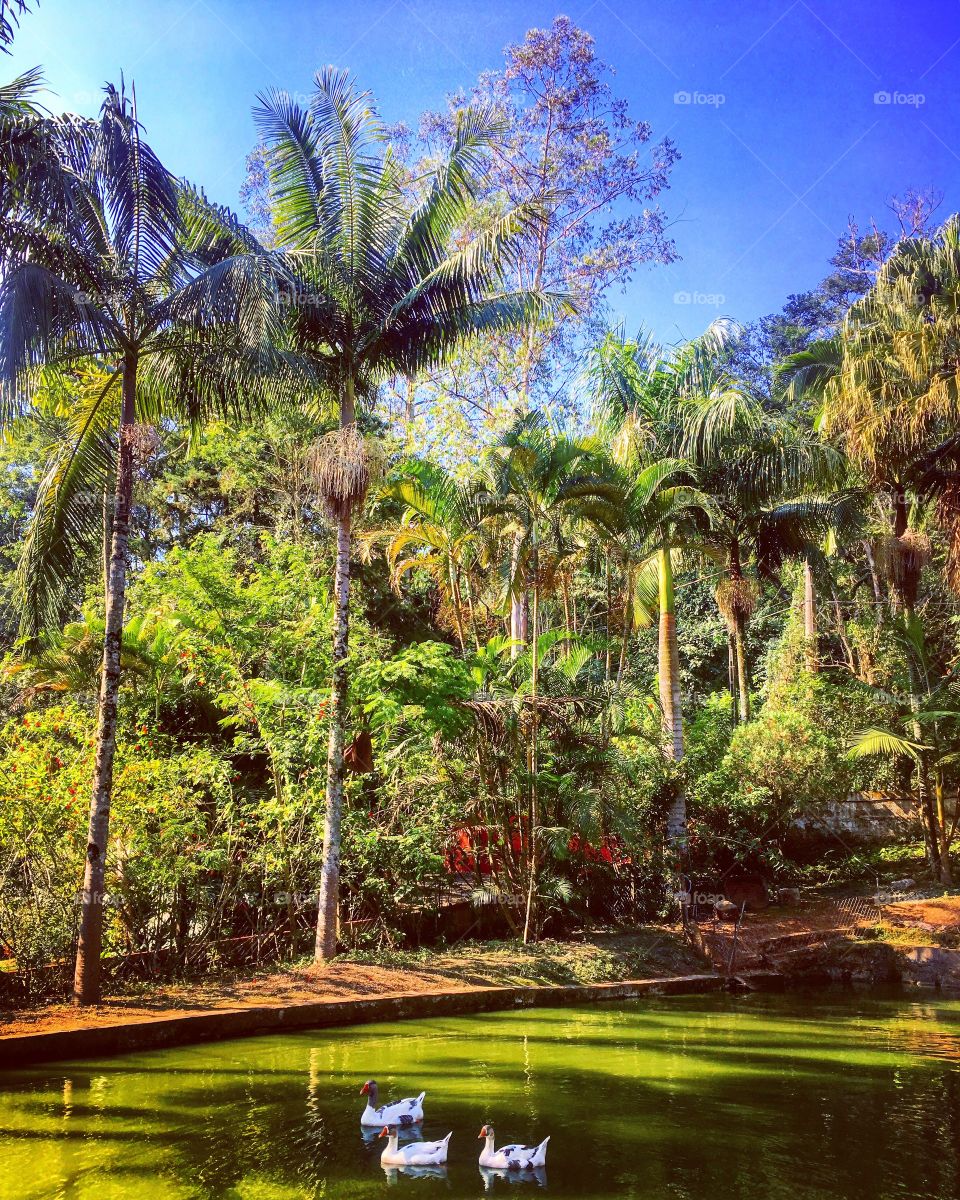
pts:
[707, 1097]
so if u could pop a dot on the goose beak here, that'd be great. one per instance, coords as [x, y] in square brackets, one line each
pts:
[483, 1132]
[365, 1089]
[384, 1132]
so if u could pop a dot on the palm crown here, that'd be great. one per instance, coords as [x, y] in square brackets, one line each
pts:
[381, 285]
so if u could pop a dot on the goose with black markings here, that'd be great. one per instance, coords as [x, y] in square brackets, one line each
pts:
[400, 1112]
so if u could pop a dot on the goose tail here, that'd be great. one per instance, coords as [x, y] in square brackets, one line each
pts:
[420, 1098]
[540, 1156]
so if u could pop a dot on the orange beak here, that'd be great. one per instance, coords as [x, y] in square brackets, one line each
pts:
[384, 1132]
[483, 1132]
[364, 1090]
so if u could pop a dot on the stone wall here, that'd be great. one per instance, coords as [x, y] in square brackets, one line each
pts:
[864, 818]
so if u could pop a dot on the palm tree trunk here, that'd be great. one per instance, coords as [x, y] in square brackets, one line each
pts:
[874, 575]
[470, 610]
[608, 658]
[326, 944]
[743, 678]
[518, 603]
[627, 624]
[925, 798]
[670, 697]
[107, 535]
[732, 675]
[810, 618]
[946, 874]
[529, 923]
[410, 404]
[86, 979]
[739, 629]
[456, 601]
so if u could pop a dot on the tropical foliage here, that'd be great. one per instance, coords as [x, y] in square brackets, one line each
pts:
[293, 663]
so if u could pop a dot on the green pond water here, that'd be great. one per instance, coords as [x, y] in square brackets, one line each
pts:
[699, 1097]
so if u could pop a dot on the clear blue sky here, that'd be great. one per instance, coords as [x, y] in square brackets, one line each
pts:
[768, 176]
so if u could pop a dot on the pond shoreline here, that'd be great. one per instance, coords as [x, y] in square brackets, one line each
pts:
[123, 1036]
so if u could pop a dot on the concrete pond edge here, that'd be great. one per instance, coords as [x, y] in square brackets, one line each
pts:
[122, 1037]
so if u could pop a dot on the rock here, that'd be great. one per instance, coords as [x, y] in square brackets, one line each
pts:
[788, 896]
[901, 885]
[842, 960]
[932, 966]
[726, 910]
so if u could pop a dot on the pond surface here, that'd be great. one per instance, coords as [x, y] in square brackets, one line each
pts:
[764, 1097]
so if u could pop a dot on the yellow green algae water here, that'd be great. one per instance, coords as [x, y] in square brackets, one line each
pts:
[707, 1098]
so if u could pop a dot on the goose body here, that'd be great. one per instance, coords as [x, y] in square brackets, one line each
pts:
[401, 1112]
[413, 1154]
[512, 1157]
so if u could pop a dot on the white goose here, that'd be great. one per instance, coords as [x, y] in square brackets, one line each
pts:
[511, 1158]
[401, 1112]
[413, 1154]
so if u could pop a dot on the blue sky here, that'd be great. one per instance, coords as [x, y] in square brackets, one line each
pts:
[782, 136]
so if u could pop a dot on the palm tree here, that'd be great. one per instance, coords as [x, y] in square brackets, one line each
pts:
[893, 395]
[770, 483]
[536, 480]
[439, 530]
[634, 393]
[10, 13]
[145, 300]
[890, 386]
[381, 289]
[930, 752]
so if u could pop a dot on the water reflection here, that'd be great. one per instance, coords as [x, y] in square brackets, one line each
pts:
[490, 1175]
[789, 1098]
[370, 1134]
[393, 1174]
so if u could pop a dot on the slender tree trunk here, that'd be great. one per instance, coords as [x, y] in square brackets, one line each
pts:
[732, 675]
[326, 944]
[470, 610]
[529, 922]
[608, 660]
[410, 404]
[518, 604]
[874, 575]
[565, 592]
[928, 810]
[740, 638]
[86, 979]
[627, 624]
[810, 618]
[849, 654]
[743, 677]
[456, 601]
[670, 698]
[946, 874]
[107, 522]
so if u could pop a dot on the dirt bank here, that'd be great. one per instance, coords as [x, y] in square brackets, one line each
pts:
[650, 953]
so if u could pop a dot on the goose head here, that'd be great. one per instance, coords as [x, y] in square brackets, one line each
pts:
[369, 1090]
[390, 1132]
[487, 1133]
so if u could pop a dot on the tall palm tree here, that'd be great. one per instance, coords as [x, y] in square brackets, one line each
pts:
[383, 287]
[633, 387]
[890, 388]
[146, 301]
[770, 483]
[894, 393]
